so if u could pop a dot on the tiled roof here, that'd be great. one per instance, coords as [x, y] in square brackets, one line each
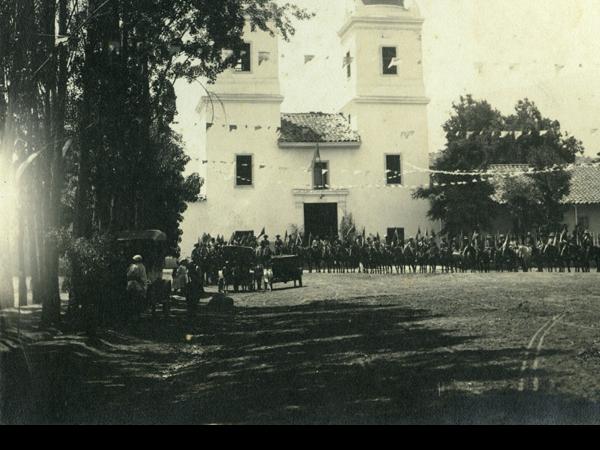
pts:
[316, 127]
[585, 186]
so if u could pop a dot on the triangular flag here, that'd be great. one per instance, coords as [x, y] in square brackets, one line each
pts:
[395, 62]
[347, 60]
[543, 132]
[308, 58]
[226, 54]
[263, 56]
[518, 134]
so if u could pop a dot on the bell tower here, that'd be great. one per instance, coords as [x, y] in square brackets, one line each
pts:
[382, 50]
[386, 103]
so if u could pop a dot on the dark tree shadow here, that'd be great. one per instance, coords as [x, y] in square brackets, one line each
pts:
[327, 362]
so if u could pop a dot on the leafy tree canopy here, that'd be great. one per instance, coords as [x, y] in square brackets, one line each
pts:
[472, 206]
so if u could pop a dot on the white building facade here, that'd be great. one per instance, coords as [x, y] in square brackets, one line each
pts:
[263, 167]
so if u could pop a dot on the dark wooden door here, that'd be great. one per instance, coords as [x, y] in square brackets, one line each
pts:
[320, 219]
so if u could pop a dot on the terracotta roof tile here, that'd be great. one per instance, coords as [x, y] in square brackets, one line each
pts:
[316, 127]
[585, 186]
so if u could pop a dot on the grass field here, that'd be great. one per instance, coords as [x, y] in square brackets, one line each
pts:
[459, 348]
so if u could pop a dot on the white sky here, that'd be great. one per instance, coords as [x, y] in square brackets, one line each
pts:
[501, 51]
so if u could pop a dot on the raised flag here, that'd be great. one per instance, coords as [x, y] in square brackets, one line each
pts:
[316, 158]
[350, 231]
[309, 58]
[262, 233]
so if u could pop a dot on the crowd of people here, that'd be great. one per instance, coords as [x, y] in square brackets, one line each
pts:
[562, 251]
[423, 253]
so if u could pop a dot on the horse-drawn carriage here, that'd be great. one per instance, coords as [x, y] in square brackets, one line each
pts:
[151, 244]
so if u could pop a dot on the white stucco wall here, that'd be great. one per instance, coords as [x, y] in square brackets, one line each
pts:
[591, 212]
[389, 112]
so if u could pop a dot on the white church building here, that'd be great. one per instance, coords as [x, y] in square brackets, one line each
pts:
[263, 169]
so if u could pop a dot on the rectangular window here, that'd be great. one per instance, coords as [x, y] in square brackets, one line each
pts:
[388, 55]
[348, 63]
[395, 234]
[321, 175]
[393, 169]
[244, 59]
[243, 170]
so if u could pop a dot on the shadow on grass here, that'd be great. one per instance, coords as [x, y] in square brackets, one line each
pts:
[327, 362]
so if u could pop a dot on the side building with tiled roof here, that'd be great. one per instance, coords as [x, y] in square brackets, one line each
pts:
[282, 171]
[582, 203]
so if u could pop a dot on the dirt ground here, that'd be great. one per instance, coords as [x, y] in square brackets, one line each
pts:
[344, 349]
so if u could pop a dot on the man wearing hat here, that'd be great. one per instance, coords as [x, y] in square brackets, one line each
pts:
[137, 284]
[278, 245]
[265, 241]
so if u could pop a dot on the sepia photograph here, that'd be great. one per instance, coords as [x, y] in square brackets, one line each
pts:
[309, 212]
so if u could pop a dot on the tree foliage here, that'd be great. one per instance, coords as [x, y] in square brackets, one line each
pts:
[471, 206]
[102, 73]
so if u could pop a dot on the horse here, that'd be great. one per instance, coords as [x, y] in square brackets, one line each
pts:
[551, 257]
[596, 256]
[446, 259]
[568, 257]
[410, 258]
[486, 256]
[586, 254]
[433, 257]
[470, 257]
[524, 254]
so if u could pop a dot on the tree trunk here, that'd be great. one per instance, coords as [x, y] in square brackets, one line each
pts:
[21, 256]
[34, 263]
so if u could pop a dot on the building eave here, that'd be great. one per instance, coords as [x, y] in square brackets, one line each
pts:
[381, 23]
[239, 98]
[391, 100]
[320, 144]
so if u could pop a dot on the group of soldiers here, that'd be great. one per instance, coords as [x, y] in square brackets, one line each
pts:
[561, 251]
